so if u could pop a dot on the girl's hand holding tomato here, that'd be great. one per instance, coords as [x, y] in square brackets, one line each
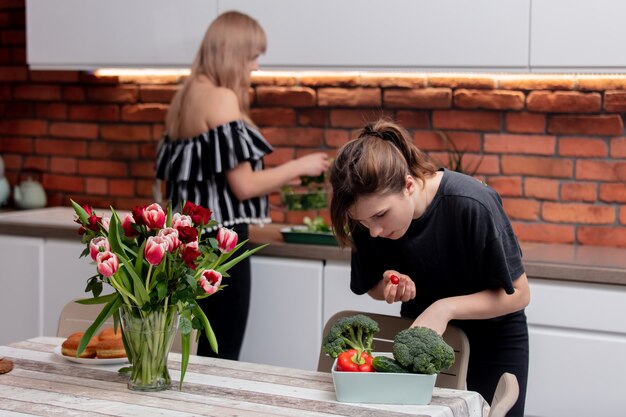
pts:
[398, 287]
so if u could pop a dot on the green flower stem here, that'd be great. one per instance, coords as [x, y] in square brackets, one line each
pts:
[150, 338]
[148, 278]
[123, 291]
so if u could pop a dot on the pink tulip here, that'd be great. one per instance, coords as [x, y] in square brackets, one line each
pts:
[97, 243]
[181, 220]
[171, 236]
[105, 223]
[155, 249]
[154, 216]
[108, 263]
[226, 239]
[210, 280]
[127, 225]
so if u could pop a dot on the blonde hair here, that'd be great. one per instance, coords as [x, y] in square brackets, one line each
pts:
[376, 162]
[231, 41]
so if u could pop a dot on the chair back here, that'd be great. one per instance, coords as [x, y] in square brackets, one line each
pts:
[507, 392]
[77, 317]
[455, 377]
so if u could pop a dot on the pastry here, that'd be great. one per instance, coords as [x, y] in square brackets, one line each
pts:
[110, 333]
[110, 348]
[5, 366]
[70, 346]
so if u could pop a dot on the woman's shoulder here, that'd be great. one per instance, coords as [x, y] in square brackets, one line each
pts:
[228, 128]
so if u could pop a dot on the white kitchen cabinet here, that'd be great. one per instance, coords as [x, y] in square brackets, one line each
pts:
[88, 34]
[338, 296]
[584, 35]
[21, 297]
[284, 323]
[577, 345]
[65, 279]
[347, 34]
[383, 34]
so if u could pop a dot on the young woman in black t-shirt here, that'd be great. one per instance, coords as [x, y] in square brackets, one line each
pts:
[447, 239]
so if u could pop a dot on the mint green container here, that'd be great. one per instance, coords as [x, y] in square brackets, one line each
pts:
[383, 387]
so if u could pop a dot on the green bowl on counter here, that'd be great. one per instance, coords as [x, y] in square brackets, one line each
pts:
[300, 234]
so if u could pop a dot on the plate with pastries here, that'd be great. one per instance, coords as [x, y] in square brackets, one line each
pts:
[104, 349]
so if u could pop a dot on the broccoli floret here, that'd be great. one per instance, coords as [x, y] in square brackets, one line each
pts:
[353, 332]
[422, 350]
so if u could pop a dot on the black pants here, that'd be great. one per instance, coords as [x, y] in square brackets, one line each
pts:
[227, 310]
[498, 346]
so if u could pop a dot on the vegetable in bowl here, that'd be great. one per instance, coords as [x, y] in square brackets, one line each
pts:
[422, 350]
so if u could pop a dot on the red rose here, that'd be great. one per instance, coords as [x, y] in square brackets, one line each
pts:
[187, 234]
[138, 215]
[190, 254]
[199, 215]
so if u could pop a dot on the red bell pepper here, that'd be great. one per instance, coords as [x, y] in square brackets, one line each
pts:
[351, 361]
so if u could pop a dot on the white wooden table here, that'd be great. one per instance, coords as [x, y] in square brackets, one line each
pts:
[43, 384]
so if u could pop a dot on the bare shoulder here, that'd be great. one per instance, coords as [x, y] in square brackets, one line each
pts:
[219, 105]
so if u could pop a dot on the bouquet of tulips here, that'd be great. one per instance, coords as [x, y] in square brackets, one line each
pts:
[154, 259]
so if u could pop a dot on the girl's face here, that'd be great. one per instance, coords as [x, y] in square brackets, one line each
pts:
[386, 215]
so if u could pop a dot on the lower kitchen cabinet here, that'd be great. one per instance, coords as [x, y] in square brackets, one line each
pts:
[21, 296]
[284, 323]
[577, 338]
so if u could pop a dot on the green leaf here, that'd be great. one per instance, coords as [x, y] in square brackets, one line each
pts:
[98, 300]
[185, 335]
[185, 340]
[110, 308]
[114, 234]
[185, 325]
[161, 289]
[225, 267]
[198, 313]
[139, 259]
[80, 212]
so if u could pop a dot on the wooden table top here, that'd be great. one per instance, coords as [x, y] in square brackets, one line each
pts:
[43, 384]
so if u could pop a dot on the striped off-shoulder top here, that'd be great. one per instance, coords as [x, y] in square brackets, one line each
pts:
[194, 170]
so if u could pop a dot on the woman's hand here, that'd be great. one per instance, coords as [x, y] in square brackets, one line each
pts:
[397, 287]
[313, 164]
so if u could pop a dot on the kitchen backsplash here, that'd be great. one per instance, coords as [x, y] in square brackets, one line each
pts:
[553, 146]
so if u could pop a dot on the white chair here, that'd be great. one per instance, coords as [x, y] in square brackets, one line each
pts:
[77, 317]
[507, 392]
[455, 377]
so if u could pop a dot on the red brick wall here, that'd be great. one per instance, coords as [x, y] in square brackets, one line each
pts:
[553, 147]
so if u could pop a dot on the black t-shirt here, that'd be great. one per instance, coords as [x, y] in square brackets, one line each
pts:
[462, 244]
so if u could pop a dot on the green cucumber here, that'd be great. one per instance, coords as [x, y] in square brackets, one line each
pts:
[387, 364]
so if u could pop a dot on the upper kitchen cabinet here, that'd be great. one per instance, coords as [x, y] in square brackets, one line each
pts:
[583, 36]
[88, 34]
[321, 34]
[392, 34]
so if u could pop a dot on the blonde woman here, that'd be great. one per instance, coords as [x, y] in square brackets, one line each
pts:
[437, 241]
[212, 154]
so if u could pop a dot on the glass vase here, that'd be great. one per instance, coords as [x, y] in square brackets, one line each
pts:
[149, 337]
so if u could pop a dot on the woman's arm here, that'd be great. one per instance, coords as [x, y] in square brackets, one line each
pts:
[485, 304]
[246, 183]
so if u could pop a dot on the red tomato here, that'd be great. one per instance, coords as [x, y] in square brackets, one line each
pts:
[394, 280]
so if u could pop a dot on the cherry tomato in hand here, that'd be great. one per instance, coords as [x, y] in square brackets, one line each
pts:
[394, 280]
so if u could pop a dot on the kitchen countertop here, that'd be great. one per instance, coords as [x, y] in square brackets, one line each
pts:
[603, 265]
